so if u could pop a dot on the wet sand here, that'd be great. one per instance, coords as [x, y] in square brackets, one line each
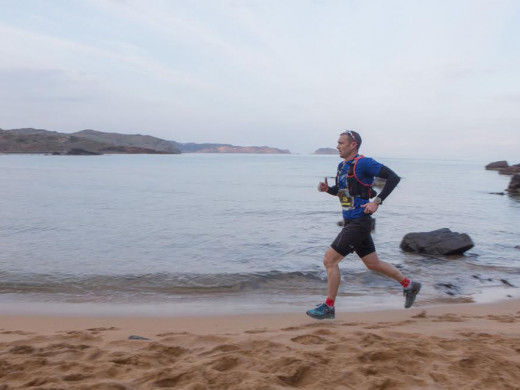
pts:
[463, 346]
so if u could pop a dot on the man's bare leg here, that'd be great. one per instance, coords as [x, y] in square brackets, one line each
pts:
[326, 310]
[331, 261]
[411, 289]
[373, 263]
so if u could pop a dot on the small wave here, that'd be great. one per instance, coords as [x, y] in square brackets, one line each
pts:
[159, 284]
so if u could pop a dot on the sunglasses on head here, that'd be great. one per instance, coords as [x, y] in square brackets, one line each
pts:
[349, 132]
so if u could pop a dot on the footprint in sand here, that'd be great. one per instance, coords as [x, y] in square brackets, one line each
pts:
[166, 350]
[296, 376]
[223, 348]
[171, 334]
[323, 332]
[255, 331]
[449, 318]
[422, 314]
[17, 332]
[309, 339]
[102, 329]
[291, 328]
[22, 350]
[225, 363]
[506, 319]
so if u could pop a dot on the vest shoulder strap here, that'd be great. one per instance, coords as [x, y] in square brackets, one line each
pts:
[353, 169]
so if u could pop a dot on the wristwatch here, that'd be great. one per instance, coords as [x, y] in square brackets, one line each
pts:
[378, 200]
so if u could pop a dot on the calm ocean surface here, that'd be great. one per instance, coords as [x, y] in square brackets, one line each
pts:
[225, 233]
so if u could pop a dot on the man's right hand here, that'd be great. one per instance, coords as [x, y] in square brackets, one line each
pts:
[323, 186]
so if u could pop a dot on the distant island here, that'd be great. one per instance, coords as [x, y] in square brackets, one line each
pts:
[92, 142]
[326, 151]
[227, 148]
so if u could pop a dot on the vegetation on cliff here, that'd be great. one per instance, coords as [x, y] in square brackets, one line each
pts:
[29, 140]
[43, 141]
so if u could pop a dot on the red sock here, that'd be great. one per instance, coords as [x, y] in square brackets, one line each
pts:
[405, 282]
[329, 302]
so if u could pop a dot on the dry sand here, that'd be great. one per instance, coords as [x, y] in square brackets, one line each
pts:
[447, 347]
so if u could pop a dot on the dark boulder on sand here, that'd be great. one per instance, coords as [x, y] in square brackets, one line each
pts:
[437, 242]
[514, 185]
[497, 165]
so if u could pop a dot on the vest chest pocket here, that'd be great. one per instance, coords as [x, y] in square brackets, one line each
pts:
[346, 200]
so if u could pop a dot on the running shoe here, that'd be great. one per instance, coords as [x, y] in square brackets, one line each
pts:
[322, 312]
[411, 293]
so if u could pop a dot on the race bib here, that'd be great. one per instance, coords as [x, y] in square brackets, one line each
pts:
[346, 200]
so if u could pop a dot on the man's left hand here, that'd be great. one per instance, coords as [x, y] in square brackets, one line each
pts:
[370, 208]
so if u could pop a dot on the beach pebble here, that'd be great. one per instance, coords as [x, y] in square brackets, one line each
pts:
[133, 337]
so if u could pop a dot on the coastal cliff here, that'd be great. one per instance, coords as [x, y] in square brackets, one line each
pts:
[91, 142]
[30, 140]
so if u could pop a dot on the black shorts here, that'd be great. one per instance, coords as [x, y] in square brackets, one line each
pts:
[355, 237]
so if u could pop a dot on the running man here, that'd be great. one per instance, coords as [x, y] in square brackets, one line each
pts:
[354, 189]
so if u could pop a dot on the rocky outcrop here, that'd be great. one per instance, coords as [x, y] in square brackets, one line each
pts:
[511, 170]
[497, 165]
[145, 142]
[437, 242]
[514, 185]
[326, 151]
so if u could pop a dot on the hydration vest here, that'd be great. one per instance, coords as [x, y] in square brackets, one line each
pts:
[355, 186]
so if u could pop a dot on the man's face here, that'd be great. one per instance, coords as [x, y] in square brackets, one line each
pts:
[345, 147]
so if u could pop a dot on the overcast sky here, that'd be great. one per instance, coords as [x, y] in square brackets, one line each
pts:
[417, 78]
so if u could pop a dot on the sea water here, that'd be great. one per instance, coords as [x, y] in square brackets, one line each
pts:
[236, 233]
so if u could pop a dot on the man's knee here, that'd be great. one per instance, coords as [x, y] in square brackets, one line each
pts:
[331, 258]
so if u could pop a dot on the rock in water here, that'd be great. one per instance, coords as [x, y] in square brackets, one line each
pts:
[497, 165]
[514, 185]
[512, 170]
[437, 242]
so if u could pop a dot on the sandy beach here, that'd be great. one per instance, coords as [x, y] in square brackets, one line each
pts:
[465, 346]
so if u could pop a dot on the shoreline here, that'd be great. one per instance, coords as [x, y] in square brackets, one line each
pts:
[206, 322]
[469, 346]
[245, 304]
